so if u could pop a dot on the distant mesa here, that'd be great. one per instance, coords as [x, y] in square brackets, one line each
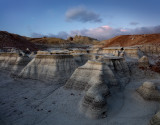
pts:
[53, 40]
[46, 40]
[83, 39]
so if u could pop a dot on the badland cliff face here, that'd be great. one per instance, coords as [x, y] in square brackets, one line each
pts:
[99, 82]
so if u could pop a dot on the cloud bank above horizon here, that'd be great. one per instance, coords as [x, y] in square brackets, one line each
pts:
[102, 32]
[83, 15]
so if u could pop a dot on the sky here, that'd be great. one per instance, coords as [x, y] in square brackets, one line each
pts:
[100, 19]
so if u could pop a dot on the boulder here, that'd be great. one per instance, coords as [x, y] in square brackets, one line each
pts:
[155, 119]
[149, 91]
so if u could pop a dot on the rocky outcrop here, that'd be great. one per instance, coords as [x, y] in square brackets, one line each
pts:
[21, 62]
[156, 119]
[13, 62]
[128, 52]
[50, 67]
[81, 59]
[94, 103]
[118, 70]
[111, 50]
[95, 77]
[80, 51]
[143, 62]
[151, 50]
[82, 75]
[90, 77]
[113, 72]
[8, 60]
[133, 52]
[149, 91]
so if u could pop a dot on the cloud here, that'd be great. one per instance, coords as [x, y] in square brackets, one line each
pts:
[134, 23]
[145, 30]
[104, 32]
[81, 14]
[107, 32]
[98, 33]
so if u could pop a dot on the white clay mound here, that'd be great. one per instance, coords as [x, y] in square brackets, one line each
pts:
[94, 102]
[50, 67]
[20, 64]
[112, 73]
[8, 60]
[156, 119]
[149, 91]
[13, 62]
[91, 71]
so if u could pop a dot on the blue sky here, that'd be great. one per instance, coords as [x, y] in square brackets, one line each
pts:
[101, 19]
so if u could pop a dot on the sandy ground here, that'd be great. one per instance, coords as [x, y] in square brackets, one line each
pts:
[31, 102]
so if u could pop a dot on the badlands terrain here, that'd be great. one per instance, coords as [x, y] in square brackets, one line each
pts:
[79, 81]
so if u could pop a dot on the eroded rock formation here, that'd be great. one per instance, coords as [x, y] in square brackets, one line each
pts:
[13, 62]
[149, 91]
[156, 119]
[91, 71]
[94, 103]
[50, 67]
[143, 62]
[113, 71]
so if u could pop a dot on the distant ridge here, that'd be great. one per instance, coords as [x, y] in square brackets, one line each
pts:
[46, 40]
[132, 40]
[54, 41]
[16, 41]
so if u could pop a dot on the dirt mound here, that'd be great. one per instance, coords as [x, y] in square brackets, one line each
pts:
[14, 40]
[132, 40]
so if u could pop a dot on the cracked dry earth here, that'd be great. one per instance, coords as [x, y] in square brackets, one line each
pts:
[32, 102]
